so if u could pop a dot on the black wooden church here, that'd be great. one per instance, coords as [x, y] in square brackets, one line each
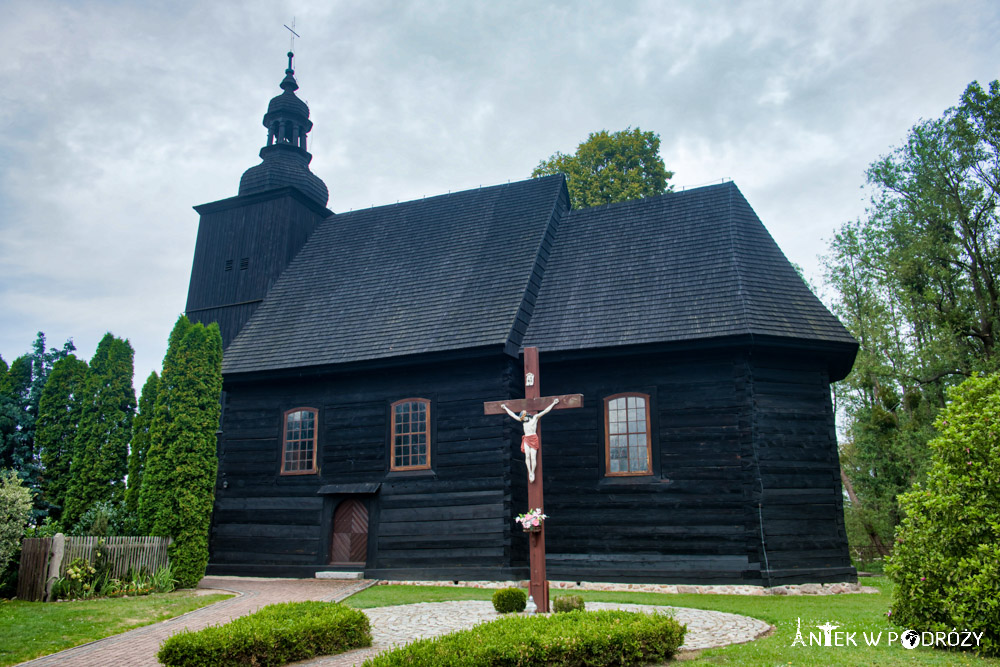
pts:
[360, 348]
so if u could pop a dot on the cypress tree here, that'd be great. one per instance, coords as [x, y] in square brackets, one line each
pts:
[17, 424]
[140, 442]
[97, 472]
[8, 414]
[19, 399]
[154, 494]
[179, 482]
[59, 411]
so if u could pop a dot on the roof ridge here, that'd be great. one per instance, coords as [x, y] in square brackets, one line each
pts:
[550, 232]
[741, 297]
[652, 198]
[495, 186]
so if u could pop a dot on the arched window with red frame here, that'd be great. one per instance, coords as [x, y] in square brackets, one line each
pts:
[627, 435]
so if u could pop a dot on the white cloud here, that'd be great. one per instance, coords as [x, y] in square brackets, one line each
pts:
[115, 119]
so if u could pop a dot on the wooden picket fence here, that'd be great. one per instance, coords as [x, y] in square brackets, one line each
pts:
[40, 558]
[33, 569]
[141, 554]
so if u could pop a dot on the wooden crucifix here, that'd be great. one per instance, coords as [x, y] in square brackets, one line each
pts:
[535, 404]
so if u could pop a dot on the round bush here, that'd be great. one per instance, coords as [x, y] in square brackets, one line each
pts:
[946, 562]
[507, 600]
[567, 603]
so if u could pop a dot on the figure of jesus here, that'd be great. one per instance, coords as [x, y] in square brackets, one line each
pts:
[529, 442]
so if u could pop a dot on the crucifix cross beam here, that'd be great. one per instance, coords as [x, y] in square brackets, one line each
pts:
[566, 402]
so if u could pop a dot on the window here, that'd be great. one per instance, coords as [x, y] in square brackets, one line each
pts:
[627, 435]
[411, 434]
[298, 453]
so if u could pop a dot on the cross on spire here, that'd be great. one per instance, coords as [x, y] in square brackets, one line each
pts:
[291, 40]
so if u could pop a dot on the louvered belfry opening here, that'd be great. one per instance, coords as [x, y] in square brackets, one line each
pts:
[350, 534]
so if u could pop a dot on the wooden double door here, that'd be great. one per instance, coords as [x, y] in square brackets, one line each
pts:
[350, 534]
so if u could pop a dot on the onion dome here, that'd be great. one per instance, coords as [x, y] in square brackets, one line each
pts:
[285, 159]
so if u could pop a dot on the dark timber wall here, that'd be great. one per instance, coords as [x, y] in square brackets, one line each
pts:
[802, 501]
[243, 245]
[696, 518]
[741, 436]
[448, 523]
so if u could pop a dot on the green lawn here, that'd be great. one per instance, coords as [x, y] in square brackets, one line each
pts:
[33, 629]
[856, 613]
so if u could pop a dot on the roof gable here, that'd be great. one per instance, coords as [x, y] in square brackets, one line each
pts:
[443, 273]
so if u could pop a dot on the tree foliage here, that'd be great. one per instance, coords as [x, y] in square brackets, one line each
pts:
[15, 515]
[179, 481]
[916, 282]
[611, 167]
[98, 469]
[20, 393]
[59, 410]
[140, 442]
[946, 563]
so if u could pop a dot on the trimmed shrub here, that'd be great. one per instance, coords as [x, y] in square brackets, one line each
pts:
[15, 515]
[507, 600]
[574, 638]
[946, 562]
[274, 635]
[565, 603]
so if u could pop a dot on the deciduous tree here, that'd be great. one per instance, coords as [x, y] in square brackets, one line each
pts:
[611, 167]
[15, 515]
[916, 282]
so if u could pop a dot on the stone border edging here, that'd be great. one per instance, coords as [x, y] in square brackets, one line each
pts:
[669, 589]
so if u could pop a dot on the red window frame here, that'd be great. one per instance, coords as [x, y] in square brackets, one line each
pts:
[622, 432]
[410, 438]
[303, 440]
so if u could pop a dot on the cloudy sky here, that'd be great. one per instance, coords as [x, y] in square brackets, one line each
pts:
[117, 117]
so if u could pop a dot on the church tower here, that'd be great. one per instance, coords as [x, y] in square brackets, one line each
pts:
[245, 242]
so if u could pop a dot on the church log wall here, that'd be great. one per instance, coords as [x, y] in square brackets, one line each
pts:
[696, 519]
[450, 522]
[799, 486]
[684, 522]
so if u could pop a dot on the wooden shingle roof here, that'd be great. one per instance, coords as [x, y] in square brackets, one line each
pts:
[510, 265]
[681, 266]
[444, 273]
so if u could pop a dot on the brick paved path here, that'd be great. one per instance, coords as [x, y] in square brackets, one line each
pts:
[137, 648]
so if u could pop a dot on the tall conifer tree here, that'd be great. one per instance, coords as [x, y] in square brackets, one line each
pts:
[59, 411]
[140, 442]
[17, 425]
[179, 481]
[98, 470]
[19, 399]
[154, 495]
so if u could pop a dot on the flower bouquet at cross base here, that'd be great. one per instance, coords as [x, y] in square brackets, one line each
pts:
[532, 520]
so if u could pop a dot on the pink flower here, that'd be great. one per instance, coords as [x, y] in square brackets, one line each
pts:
[534, 521]
[923, 578]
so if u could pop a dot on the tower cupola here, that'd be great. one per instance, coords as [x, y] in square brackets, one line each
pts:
[285, 158]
